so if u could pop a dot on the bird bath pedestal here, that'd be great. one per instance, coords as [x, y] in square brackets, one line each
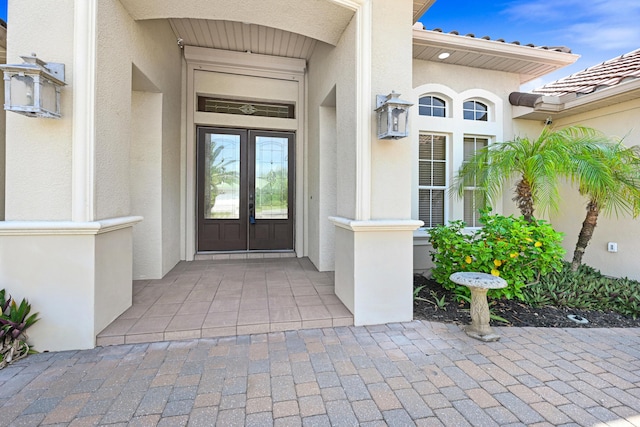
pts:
[479, 284]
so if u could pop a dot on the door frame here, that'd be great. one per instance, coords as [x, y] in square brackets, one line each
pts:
[247, 191]
[273, 72]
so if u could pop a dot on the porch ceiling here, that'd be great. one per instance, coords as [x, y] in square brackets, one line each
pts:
[294, 16]
[288, 28]
[241, 37]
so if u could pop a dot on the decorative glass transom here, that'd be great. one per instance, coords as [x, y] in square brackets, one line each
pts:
[246, 108]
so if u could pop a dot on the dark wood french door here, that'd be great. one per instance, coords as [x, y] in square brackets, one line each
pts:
[245, 189]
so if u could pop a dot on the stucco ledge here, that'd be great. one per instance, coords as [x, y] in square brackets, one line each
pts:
[376, 224]
[43, 228]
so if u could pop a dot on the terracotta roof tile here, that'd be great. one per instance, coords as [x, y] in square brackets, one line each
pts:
[604, 75]
[563, 49]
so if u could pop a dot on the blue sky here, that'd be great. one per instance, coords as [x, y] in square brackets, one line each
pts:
[597, 30]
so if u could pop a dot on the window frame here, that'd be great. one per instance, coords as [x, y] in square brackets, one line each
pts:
[443, 188]
[444, 108]
[472, 188]
[455, 128]
[486, 113]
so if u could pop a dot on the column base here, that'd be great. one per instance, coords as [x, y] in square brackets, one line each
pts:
[374, 269]
[77, 275]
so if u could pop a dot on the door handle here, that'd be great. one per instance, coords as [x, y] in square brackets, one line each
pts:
[252, 218]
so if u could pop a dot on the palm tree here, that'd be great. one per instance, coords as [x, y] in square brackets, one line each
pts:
[537, 164]
[612, 188]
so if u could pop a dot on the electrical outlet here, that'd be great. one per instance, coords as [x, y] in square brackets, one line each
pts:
[612, 247]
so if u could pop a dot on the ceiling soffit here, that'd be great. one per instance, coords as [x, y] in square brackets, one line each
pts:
[240, 37]
[420, 7]
[529, 62]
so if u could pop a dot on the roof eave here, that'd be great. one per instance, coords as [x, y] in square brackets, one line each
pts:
[566, 105]
[420, 7]
[549, 58]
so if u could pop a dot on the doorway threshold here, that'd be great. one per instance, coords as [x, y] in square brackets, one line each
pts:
[221, 256]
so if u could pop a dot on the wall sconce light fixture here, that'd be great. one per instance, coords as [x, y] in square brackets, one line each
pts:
[393, 116]
[33, 87]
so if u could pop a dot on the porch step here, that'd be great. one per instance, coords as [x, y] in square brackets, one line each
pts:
[106, 339]
[226, 297]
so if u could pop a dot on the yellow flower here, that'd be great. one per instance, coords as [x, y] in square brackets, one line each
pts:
[495, 272]
[537, 244]
[497, 262]
[468, 259]
[513, 254]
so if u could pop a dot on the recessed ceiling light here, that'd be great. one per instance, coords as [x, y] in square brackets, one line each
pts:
[444, 55]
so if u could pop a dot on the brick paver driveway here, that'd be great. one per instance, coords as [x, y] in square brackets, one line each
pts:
[416, 373]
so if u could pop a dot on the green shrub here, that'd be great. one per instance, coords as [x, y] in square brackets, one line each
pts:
[14, 321]
[586, 289]
[516, 250]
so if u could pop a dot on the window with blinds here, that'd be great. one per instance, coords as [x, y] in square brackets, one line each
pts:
[432, 179]
[473, 199]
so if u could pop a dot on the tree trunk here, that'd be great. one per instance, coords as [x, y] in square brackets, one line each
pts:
[524, 199]
[586, 233]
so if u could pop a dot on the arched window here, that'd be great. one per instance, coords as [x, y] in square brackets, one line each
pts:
[432, 106]
[466, 123]
[475, 110]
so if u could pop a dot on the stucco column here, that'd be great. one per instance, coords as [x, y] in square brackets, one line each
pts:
[374, 248]
[81, 261]
[84, 72]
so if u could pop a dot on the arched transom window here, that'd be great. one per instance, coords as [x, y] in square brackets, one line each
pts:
[432, 106]
[475, 110]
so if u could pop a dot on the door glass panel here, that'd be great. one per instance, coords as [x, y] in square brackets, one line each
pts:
[272, 174]
[222, 177]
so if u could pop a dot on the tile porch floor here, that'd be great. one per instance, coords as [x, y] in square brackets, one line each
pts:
[224, 297]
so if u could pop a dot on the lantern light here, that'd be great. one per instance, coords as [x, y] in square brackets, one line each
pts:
[393, 116]
[33, 87]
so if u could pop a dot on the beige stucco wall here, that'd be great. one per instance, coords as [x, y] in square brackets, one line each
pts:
[373, 247]
[3, 123]
[3, 54]
[323, 204]
[461, 79]
[151, 47]
[38, 151]
[84, 263]
[72, 302]
[619, 121]
[145, 174]
[112, 271]
[81, 284]
[331, 67]
[392, 55]
[331, 147]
